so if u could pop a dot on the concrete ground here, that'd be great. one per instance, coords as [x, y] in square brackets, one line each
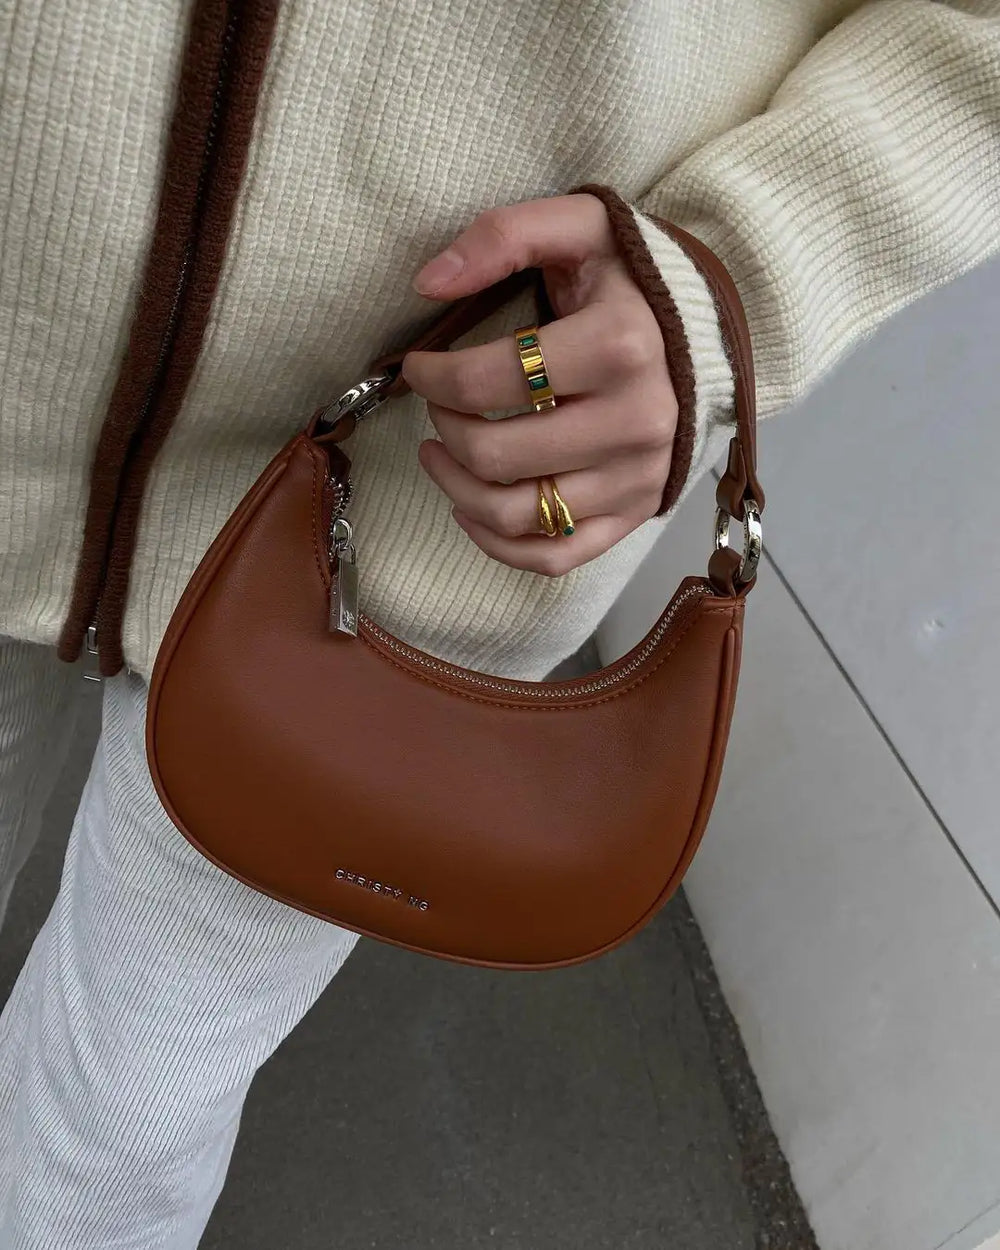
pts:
[422, 1105]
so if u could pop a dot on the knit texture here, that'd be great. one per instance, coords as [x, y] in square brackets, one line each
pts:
[840, 158]
[191, 230]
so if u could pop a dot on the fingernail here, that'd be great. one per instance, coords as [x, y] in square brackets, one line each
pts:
[449, 264]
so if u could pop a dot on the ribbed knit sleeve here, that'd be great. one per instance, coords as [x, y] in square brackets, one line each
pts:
[872, 177]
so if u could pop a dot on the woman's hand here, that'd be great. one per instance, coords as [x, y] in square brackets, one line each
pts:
[608, 440]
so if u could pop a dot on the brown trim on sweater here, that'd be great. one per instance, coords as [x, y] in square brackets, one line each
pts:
[220, 79]
[645, 272]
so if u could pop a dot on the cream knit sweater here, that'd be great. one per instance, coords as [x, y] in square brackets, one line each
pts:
[841, 159]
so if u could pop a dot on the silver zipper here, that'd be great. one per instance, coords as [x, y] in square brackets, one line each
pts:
[357, 402]
[343, 565]
[167, 337]
[542, 690]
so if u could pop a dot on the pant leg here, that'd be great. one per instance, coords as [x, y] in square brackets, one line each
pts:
[39, 703]
[156, 988]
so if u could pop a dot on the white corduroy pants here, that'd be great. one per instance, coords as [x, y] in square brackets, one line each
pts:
[154, 991]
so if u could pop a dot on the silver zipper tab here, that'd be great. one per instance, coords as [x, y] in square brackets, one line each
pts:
[92, 672]
[343, 578]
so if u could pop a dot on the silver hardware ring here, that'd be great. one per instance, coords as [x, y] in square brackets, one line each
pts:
[753, 538]
[359, 401]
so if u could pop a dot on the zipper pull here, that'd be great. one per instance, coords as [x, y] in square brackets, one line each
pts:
[92, 672]
[343, 578]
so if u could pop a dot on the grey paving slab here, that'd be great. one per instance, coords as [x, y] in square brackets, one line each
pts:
[424, 1105]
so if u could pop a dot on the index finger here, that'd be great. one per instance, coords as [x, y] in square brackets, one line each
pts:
[591, 350]
[557, 230]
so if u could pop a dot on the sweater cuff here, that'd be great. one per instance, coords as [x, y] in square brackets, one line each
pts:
[685, 311]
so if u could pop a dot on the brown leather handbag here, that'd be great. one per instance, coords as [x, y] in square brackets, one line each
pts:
[513, 824]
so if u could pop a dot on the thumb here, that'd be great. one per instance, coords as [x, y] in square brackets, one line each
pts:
[559, 230]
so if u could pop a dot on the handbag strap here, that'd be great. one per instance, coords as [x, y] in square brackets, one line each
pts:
[739, 484]
[739, 493]
[740, 479]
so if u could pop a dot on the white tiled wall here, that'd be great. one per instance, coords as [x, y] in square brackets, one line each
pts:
[848, 883]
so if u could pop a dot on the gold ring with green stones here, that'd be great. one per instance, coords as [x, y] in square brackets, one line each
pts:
[533, 363]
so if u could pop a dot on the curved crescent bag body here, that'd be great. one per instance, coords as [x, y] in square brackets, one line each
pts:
[504, 823]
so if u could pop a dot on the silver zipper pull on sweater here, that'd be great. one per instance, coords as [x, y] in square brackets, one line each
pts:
[92, 671]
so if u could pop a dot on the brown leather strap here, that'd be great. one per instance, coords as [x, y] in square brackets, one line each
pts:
[739, 481]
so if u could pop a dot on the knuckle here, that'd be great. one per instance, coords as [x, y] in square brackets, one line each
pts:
[483, 457]
[661, 422]
[469, 382]
[498, 222]
[552, 562]
[651, 503]
[647, 499]
[505, 518]
[653, 427]
[658, 478]
[515, 521]
[636, 344]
